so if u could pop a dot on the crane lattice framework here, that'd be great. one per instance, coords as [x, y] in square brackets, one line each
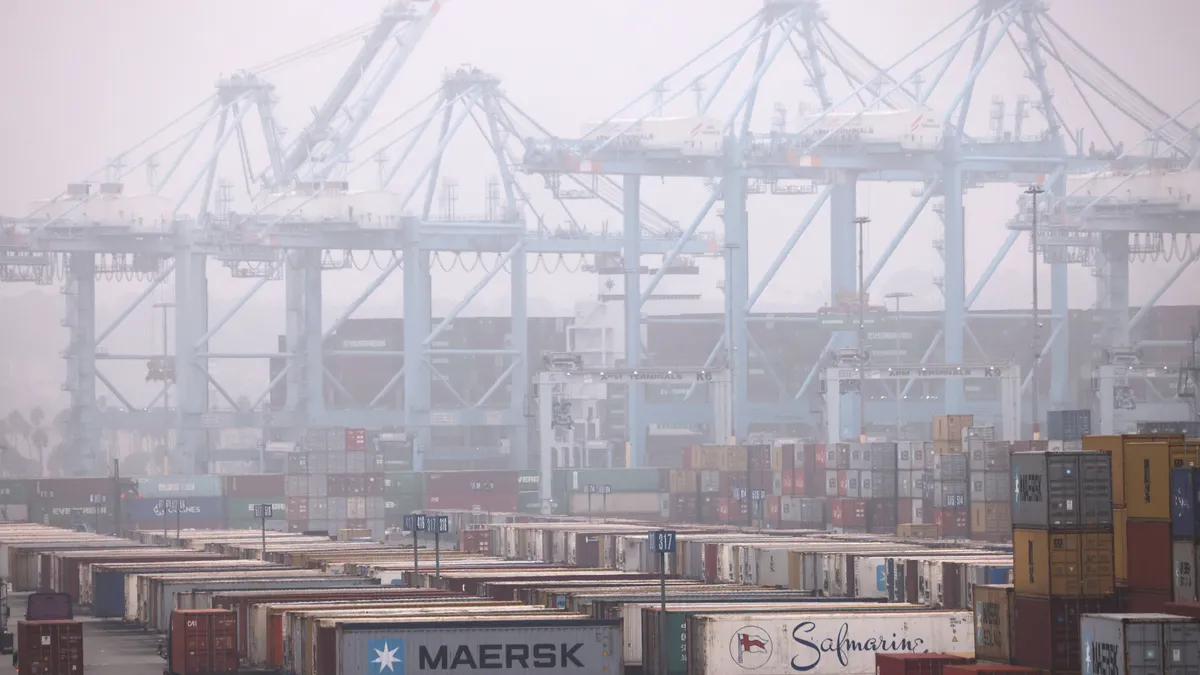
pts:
[831, 151]
[304, 222]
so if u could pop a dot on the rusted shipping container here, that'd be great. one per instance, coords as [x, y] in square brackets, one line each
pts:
[994, 623]
[50, 647]
[952, 522]
[485, 490]
[1143, 602]
[1148, 555]
[249, 487]
[915, 664]
[203, 642]
[1063, 564]
[1047, 630]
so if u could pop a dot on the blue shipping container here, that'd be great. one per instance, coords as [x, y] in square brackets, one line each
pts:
[1183, 503]
[108, 594]
[180, 486]
[194, 509]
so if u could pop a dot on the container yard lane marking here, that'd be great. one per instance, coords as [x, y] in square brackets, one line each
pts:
[387, 656]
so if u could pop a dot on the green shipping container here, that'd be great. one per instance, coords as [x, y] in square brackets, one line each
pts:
[14, 491]
[404, 483]
[531, 503]
[621, 480]
[395, 507]
[239, 510]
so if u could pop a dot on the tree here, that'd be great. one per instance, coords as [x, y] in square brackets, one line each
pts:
[19, 426]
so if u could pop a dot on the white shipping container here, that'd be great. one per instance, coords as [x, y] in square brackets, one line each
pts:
[700, 136]
[841, 643]
[870, 577]
[1139, 644]
[918, 129]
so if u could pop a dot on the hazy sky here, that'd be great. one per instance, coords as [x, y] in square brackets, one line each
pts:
[82, 81]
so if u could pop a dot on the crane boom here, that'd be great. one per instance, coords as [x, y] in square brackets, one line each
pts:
[398, 16]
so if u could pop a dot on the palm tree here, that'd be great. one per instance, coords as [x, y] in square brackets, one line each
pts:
[38, 438]
[19, 426]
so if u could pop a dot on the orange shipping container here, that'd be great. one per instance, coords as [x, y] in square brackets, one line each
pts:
[1115, 446]
[1147, 481]
[1063, 564]
[1120, 546]
[950, 427]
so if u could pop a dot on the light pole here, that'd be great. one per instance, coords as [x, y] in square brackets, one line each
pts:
[1033, 191]
[898, 296]
[167, 379]
[861, 222]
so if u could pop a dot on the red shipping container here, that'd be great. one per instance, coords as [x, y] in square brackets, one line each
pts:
[848, 512]
[818, 451]
[1149, 554]
[788, 478]
[773, 513]
[50, 647]
[465, 490]
[203, 642]
[1188, 609]
[915, 664]
[952, 522]
[1144, 602]
[882, 514]
[297, 508]
[1047, 630]
[249, 487]
[990, 669]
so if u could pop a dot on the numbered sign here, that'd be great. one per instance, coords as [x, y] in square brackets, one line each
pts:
[591, 488]
[608, 489]
[416, 522]
[264, 511]
[662, 541]
[437, 524]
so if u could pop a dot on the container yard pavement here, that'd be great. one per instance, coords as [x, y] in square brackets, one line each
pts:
[109, 647]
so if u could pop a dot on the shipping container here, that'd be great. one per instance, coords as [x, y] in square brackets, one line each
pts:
[952, 523]
[1148, 555]
[177, 487]
[951, 427]
[154, 512]
[1068, 425]
[1047, 630]
[993, 607]
[242, 510]
[1185, 493]
[991, 669]
[587, 647]
[1115, 447]
[1147, 481]
[991, 521]
[45, 606]
[50, 647]
[203, 642]
[1137, 644]
[14, 491]
[843, 643]
[1063, 564]
[1190, 429]
[1183, 570]
[1062, 490]
[254, 486]
[915, 664]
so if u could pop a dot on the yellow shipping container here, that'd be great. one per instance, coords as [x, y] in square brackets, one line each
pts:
[950, 427]
[1147, 481]
[994, 615]
[1115, 446]
[917, 530]
[1185, 453]
[1120, 555]
[1063, 564]
[683, 481]
[732, 458]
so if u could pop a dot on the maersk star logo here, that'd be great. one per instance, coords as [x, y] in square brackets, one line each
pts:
[386, 656]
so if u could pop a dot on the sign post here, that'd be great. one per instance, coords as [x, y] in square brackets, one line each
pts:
[262, 512]
[438, 525]
[662, 542]
[162, 503]
[591, 490]
[416, 522]
[179, 506]
[604, 504]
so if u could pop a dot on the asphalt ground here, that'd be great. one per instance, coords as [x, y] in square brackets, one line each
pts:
[110, 647]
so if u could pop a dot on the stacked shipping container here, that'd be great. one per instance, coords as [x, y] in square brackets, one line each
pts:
[335, 483]
[1141, 479]
[950, 491]
[989, 466]
[1063, 558]
[1066, 429]
[914, 464]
